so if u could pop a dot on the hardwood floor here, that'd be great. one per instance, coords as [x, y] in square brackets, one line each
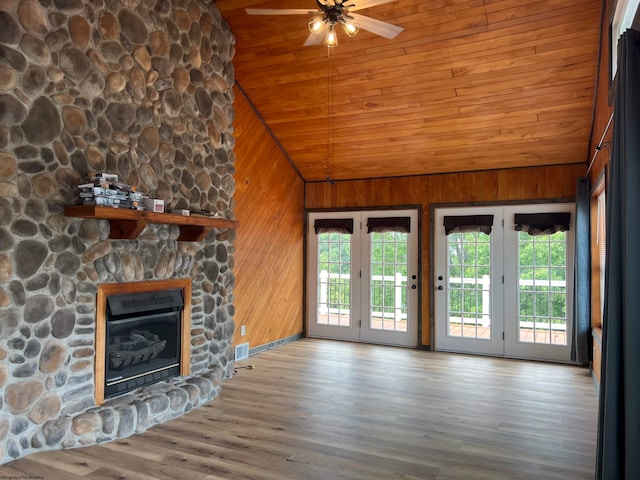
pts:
[316, 409]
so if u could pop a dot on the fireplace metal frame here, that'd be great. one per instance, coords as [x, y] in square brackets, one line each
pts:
[108, 289]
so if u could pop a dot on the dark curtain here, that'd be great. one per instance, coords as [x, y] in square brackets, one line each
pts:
[542, 223]
[468, 223]
[581, 341]
[389, 224]
[618, 454]
[333, 225]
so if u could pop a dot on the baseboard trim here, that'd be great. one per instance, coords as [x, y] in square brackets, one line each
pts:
[275, 343]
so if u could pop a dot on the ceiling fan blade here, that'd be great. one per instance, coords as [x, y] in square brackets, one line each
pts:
[283, 11]
[384, 29]
[313, 39]
[362, 4]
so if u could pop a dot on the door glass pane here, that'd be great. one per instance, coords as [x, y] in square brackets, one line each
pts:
[469, 285]
[542, 288]
[334, 279]
[388, 310]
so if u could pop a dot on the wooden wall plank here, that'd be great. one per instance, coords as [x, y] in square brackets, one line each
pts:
[269, 242]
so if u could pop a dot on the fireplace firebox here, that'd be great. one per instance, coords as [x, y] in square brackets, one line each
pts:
[142, 341]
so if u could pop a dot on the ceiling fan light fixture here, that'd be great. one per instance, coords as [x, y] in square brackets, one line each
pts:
[350, 27]
[316, 25]
[331, 39]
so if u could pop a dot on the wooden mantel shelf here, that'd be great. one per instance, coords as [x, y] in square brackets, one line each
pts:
[128, 224]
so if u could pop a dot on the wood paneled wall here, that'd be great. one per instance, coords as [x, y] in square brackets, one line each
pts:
[603, 110]
[512, 185]
[269, 244]
[600, 161]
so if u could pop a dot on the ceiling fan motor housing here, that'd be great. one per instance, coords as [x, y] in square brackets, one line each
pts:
[332, 13]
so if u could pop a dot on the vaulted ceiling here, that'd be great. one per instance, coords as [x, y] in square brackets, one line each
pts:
[468, 85]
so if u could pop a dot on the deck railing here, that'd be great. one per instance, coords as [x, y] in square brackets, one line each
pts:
[399, 282]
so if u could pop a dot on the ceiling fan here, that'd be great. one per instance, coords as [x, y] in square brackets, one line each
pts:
[336, 12]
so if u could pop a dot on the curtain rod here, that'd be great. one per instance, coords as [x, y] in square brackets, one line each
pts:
[599, 146]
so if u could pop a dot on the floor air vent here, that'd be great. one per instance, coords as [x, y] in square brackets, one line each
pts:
[242, 351]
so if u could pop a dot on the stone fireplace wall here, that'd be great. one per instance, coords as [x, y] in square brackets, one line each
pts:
[141, 88]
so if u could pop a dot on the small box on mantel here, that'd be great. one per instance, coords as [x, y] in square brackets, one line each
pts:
[153, 205]
[182, 212]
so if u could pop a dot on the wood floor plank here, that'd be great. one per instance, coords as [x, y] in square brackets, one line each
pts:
[316, 409]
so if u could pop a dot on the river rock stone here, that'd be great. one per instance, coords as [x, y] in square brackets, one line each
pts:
[126, 423]
[12, 58]
[86, 423]
[37, 51]
[121, 116]
[74, 63]
[37, 283]
[12, 111]
[55, 430]
[24, 228]
[115, 83]
[45, 409]
[180, 79]
[132, 26]
[38, 307]
[97, 250]
[6, 268]
[19, 397]
[93, 84]
[95, 159]
[32, 17]
[109, 26]
[159, 43]
[29, 255]
[149, 140]
[74, 119]
[111, 51]
[138, 83]
[9, 29]
[34, 80]
[68, 5]
[8, 166]
[63, 323]
[143, 58]
[8, 79]
[171, 103]
[182, 20]
[80, 31]
[42, 124]
[44, 185]
[52, 357]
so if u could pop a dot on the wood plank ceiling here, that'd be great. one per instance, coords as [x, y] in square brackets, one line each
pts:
[468, 85]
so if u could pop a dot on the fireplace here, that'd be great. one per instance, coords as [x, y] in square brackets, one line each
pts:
[142, 335]
[142, 339]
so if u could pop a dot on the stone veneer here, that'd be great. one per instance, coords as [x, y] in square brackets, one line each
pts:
[141, 88]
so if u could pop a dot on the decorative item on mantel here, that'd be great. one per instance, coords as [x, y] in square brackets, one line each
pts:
[106, 189]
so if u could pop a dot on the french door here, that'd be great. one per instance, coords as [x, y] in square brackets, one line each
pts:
[363, 276]
[504, 286]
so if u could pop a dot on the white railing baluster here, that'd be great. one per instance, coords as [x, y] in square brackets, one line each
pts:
[398, 296]
[323, 308]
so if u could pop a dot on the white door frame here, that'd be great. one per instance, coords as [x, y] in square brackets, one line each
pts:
[359, 330]
[514, 348]
[444, 342]
[505, 299]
